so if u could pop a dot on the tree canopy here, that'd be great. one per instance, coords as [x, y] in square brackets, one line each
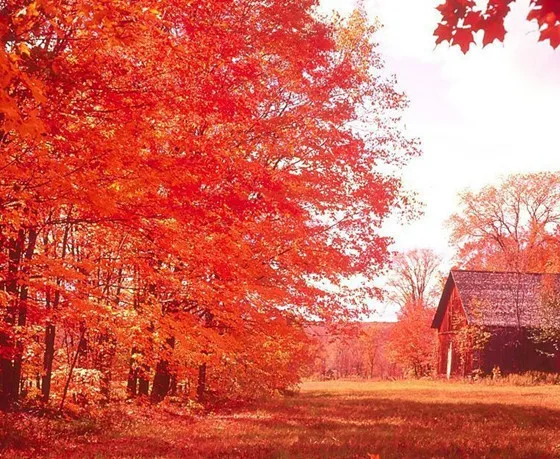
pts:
[511, 226]
[178, 182]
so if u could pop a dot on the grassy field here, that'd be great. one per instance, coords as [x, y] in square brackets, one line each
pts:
[326, 419]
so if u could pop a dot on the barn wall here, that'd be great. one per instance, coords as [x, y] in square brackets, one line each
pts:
[513, 351]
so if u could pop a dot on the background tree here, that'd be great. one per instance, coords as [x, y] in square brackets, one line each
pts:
[358, 349]
[510, 226]
[414, 277]
[412, 340]
[373, 347]
[413, 285]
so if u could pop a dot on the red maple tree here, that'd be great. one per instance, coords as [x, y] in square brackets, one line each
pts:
[179, 183]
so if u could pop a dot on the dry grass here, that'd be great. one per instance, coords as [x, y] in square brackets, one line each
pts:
[329, 419]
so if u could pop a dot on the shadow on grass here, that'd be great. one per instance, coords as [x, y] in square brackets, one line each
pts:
[357, 426]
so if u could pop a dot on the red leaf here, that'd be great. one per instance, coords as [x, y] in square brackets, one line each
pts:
[552, 34]
[550, 18]
[474, 19]
[443, 33]
[446, 9]
[493, 30]
[463, 38]
[448, 13]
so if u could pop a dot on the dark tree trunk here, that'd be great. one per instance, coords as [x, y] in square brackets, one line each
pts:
[163, 376]
[143, 381]
[138, 377]
[50, 329]
[10, 349]
[50, 333]
[22, 313]
[201, 387]
[8, 393]
[132, 384]
[162, 381]
[6, 374]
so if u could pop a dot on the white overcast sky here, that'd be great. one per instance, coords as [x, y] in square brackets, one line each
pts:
[479, 116]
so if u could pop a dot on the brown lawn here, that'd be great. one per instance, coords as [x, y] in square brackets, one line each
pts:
[327, 419]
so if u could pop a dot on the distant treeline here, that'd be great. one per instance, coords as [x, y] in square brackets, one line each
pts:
[360, 349]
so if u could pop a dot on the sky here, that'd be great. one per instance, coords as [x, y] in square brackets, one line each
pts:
[479, 116]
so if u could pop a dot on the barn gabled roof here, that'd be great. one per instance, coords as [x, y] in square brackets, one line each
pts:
[501, 299]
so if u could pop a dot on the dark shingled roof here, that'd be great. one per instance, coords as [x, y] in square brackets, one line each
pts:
[498, 298]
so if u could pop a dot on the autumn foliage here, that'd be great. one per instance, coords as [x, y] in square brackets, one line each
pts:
[179, 182]
[462, 19]
[412, 340]
[414, 287]
[510, 226]
[355, 350]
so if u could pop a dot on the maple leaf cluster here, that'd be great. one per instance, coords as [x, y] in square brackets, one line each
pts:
[461, 19]
[180, 181]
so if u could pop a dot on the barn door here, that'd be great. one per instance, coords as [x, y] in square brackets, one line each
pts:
[449, 359]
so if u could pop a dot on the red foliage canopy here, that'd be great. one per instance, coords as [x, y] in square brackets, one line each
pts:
[179, 178]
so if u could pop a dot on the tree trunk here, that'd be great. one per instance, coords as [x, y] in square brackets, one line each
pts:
[143, 381]
[138, 382]
[50, 332]
[132, 384]
[9, 377]
[17, 365]
[201, 387]
[50, 329]
[22, 313]
[162, 381]
[6, 373]
[7, 396]
[163, 375]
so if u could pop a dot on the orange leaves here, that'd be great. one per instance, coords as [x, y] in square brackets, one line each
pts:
[192, 174]
[411, 340]
[511, 226]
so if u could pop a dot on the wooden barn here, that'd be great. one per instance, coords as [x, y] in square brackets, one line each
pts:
[488, 319]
